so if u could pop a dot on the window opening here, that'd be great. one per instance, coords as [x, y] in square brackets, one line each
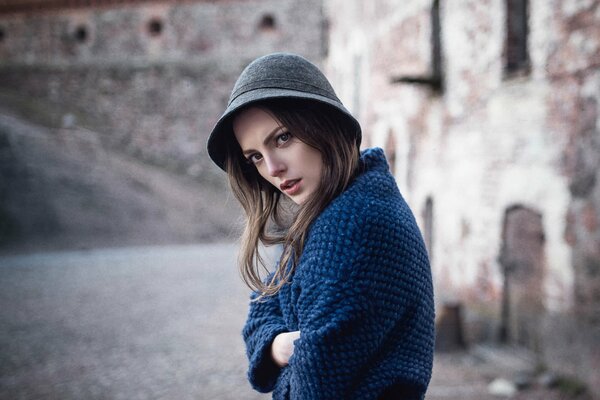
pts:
[436, 46]
[81, 34]
[155, 27]
[267, 22]
[516, 53]
[435, 78]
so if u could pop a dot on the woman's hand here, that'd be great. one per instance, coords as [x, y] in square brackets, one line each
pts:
[282, 347]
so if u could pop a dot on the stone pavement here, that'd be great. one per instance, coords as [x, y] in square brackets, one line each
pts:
[148, 323]
[135, 323]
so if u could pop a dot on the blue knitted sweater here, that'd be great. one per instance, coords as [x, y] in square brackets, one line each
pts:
[361, 297]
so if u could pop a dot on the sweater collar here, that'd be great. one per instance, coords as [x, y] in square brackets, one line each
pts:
[374, 159]
[373, 167]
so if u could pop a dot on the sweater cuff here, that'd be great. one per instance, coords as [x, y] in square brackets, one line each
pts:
[263, 372]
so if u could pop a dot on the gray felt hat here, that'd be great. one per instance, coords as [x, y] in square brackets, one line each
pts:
[277, 75]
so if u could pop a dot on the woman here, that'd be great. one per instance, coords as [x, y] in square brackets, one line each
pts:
[348, 311]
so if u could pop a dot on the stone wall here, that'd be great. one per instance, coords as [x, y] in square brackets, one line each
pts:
[487, 141]
[149, 79]
[573, 72]
[153, 77]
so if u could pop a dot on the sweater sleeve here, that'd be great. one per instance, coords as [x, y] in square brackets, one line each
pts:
[264, 322]
[356, 300]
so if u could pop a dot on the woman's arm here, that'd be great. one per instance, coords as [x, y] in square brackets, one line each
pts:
[263, 325]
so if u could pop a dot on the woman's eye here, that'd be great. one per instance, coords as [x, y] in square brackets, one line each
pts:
[254, 158]
[282, 138]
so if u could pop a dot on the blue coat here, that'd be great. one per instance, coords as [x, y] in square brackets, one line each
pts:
[361, 297]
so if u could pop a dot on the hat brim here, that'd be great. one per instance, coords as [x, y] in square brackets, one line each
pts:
[216, 145]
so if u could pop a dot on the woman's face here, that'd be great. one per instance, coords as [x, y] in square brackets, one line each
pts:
[287, 163]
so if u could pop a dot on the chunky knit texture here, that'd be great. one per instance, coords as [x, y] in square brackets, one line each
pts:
[361, 297]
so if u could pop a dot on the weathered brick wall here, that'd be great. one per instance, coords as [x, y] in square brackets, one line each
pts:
[573, 72]
[486, 143]
[155, 94]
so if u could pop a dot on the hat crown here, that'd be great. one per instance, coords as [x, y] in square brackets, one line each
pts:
[282, 71]
[276, 76]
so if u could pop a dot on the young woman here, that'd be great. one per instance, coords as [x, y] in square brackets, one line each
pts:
[348, 311]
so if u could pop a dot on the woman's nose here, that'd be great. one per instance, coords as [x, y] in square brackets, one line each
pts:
[275, 166]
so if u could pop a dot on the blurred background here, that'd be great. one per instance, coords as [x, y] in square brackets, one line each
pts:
[118, 235]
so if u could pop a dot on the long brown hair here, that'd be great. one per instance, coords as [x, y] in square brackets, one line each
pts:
[319, 126]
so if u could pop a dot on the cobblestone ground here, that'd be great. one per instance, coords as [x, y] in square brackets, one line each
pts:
[467, 376]
[147, 323]
[139, 323]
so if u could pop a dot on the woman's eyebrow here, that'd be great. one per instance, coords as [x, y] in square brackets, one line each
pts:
[265, 140]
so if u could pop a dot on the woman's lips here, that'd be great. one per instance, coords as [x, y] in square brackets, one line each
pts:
[290, 187]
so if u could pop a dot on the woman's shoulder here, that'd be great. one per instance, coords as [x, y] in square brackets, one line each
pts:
[373, 191]
[371, 203]
[369, 220]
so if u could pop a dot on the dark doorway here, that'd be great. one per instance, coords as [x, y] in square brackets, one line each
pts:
[522, 261]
